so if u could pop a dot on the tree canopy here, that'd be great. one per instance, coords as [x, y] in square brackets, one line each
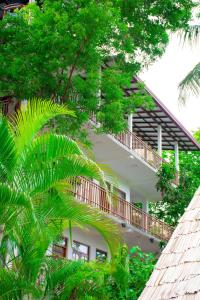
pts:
[80, 51]
[176, 199]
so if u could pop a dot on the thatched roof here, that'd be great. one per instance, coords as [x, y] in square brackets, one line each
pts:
[177, 272]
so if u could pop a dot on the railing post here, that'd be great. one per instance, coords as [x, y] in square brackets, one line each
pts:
[145, 207]
[176, 155]
[130, 128]
[160, 140]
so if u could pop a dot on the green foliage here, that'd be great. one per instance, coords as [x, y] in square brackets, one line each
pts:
[59, 50]
[190, 85]
[122, 279]
[197, 135]
[176, 199]
[141, 265]
[35, 202]
[165, 174]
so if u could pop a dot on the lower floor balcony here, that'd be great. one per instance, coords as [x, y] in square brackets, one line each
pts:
[127, 213]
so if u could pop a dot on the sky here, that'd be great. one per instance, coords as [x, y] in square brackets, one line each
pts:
[165, 74]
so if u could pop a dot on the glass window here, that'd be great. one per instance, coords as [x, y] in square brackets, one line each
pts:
[59, 248]
[119, 193]
[80, 251]
[101, 255]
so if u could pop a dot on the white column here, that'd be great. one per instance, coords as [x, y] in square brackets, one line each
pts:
[160, 140]
[130, 128]
[130, 122]
[176, 155]
[145, 206]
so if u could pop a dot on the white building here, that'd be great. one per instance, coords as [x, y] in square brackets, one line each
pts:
[134, 157]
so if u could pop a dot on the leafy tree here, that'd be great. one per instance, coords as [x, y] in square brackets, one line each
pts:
[122, 279]
[78, 51]
[176, 199]
[197, 135]
[35, 202]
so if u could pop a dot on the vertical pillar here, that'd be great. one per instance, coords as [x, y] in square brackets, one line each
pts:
[160, 140]
[130, 129]
[176, 155]
[130, 122]
[145, 206]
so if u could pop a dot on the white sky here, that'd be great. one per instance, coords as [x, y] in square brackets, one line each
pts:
[164, 76]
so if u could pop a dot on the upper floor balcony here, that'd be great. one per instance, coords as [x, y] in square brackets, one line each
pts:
[136, 154]
[8, 6]
[123, 211]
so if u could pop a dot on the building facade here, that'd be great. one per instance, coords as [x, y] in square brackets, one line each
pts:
[134, 158]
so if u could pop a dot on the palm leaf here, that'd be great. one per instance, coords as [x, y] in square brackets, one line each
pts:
[11, 201]
[67, 208]
[40, 178]
[190, 85]
[49, 147]
[31, 119]
[8, 152]
[191, 34]
[14, 287]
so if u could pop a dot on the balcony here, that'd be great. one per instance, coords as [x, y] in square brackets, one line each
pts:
[141, 149]
[88, 192]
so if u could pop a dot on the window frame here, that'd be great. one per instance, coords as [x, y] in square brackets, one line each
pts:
[83, 244]
[65, 248]
[103, 252]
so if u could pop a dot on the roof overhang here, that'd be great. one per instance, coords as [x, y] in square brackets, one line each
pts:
[146, 122]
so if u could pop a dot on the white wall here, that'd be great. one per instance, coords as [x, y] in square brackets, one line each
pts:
[88, 237]
[118, 183]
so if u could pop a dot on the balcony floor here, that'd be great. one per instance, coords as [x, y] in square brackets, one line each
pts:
[127, 165]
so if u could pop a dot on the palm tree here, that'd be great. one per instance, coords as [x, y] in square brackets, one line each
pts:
[35, 203]
[190, 85]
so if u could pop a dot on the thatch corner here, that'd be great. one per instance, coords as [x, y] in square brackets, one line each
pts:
[177, 272]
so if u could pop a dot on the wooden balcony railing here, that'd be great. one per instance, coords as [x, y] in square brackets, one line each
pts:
[96, 196]
[142, 149]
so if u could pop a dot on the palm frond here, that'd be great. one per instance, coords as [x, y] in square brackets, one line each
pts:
[190, 85]
[14, 287]
[31, 118]
[40, 178]
[191, 35]
[64, 206]
[57, 272]
[49, 147]
[8, 151]
[11, 201]
[36, 199]
[65, 276]
[31, 237]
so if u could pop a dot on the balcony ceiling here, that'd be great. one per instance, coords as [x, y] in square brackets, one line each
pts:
[145, 124]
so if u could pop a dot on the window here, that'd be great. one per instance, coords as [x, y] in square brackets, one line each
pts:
[80, 251]
[59, 249]
[109, 187]
[121, 194]
[101, 255]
